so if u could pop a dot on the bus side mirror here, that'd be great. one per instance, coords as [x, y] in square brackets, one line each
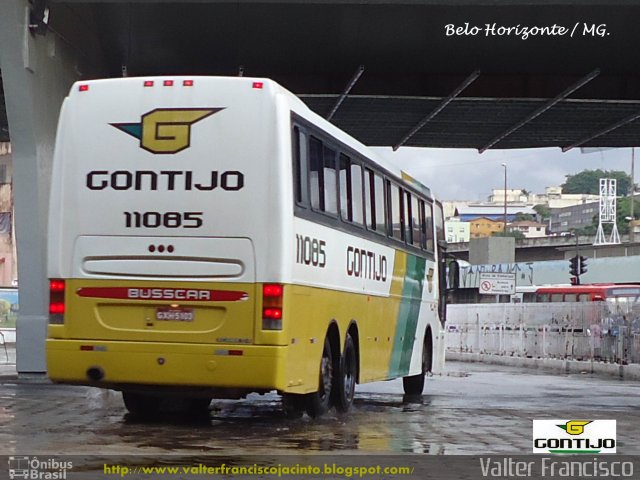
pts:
[453, 278]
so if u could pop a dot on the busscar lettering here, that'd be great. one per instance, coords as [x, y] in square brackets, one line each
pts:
[168, 294]
[164, 180]
[366, 264]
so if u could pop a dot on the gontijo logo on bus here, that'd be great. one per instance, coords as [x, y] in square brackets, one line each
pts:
[579, 436]
[166, 130]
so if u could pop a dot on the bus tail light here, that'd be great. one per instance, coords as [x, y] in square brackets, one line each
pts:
[272, 294]
[56, 301]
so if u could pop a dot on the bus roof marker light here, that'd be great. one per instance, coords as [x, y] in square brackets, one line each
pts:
[258, 85]
[83, 88]
[148, 83]
[168, 83]
[187, 83]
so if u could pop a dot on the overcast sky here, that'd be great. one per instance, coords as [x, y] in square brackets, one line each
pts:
[464, 174]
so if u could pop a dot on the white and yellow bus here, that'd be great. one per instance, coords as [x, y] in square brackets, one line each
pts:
[211, 237]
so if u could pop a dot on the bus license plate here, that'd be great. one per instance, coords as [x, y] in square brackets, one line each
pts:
[178, 314]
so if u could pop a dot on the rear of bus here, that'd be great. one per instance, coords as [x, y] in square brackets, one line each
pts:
[166, 227]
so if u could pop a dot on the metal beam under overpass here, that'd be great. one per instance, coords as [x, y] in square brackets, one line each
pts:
[468, 81]
[551, 103]
[604, 131]
[37, 72]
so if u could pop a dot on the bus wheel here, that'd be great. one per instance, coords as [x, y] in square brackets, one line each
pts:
[199, 405]
[414, 384]
[293, 405]
[318, 402]
[141, 404]
[345, 382]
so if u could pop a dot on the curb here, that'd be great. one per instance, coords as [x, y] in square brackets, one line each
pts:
[615, 370]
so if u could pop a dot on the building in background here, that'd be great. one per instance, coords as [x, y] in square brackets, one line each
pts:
[552, 197]
[528, 228]
[494, 212]
[485, 227]
[456, 231]
[565, 219]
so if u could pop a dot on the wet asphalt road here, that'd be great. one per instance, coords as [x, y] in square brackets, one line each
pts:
[473, 409]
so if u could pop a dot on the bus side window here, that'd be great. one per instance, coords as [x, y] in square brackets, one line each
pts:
[350, 190]
[570, 297]
[416, 227]
[406, 216]
[428, 226]
[396, 225]
[344, 170]
[583, 297]
[375, 200]
[330, 181]
[439, 221]
[316, 174]
[301, 167]
[542, 298]
[356, 192]
[557, 297]
[381, 216]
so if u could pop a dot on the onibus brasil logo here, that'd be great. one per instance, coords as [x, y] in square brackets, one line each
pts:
[574, 436]
[166, 130]
[38, 468]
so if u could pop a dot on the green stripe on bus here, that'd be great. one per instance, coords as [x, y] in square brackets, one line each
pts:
[408, 313]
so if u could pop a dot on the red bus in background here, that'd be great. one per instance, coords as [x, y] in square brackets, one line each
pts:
[622, 302]
[611, 293]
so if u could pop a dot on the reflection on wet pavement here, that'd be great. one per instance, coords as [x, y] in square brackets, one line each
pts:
[475, 409]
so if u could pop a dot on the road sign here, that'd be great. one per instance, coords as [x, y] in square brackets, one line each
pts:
[497, 283]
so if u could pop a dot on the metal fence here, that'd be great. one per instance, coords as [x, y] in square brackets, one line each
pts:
[577, 331]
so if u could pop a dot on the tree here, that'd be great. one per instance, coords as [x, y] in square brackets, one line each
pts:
[517, 234]
[521, 217]
[588, 181]
[543, 210]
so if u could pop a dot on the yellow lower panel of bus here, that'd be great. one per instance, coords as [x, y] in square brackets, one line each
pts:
[258, 367]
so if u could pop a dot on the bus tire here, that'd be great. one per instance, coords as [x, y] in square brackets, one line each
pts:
[318, 402]
[140, 404]
[344, 384]
[293, 405]
[414, 384]
[199, 405]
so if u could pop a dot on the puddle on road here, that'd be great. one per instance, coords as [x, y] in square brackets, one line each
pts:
[259, 424]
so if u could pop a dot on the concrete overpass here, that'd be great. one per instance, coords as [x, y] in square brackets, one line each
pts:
[557, 248]
[385, 71]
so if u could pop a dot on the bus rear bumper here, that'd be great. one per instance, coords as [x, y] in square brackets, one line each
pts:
[135, 365]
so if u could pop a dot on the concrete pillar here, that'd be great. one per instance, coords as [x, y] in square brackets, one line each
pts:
[37, 72]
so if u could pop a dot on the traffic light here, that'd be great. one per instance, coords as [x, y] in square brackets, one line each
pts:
[583, 265]
[574, 268]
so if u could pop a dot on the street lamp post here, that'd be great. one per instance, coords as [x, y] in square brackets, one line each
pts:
[505, 199]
